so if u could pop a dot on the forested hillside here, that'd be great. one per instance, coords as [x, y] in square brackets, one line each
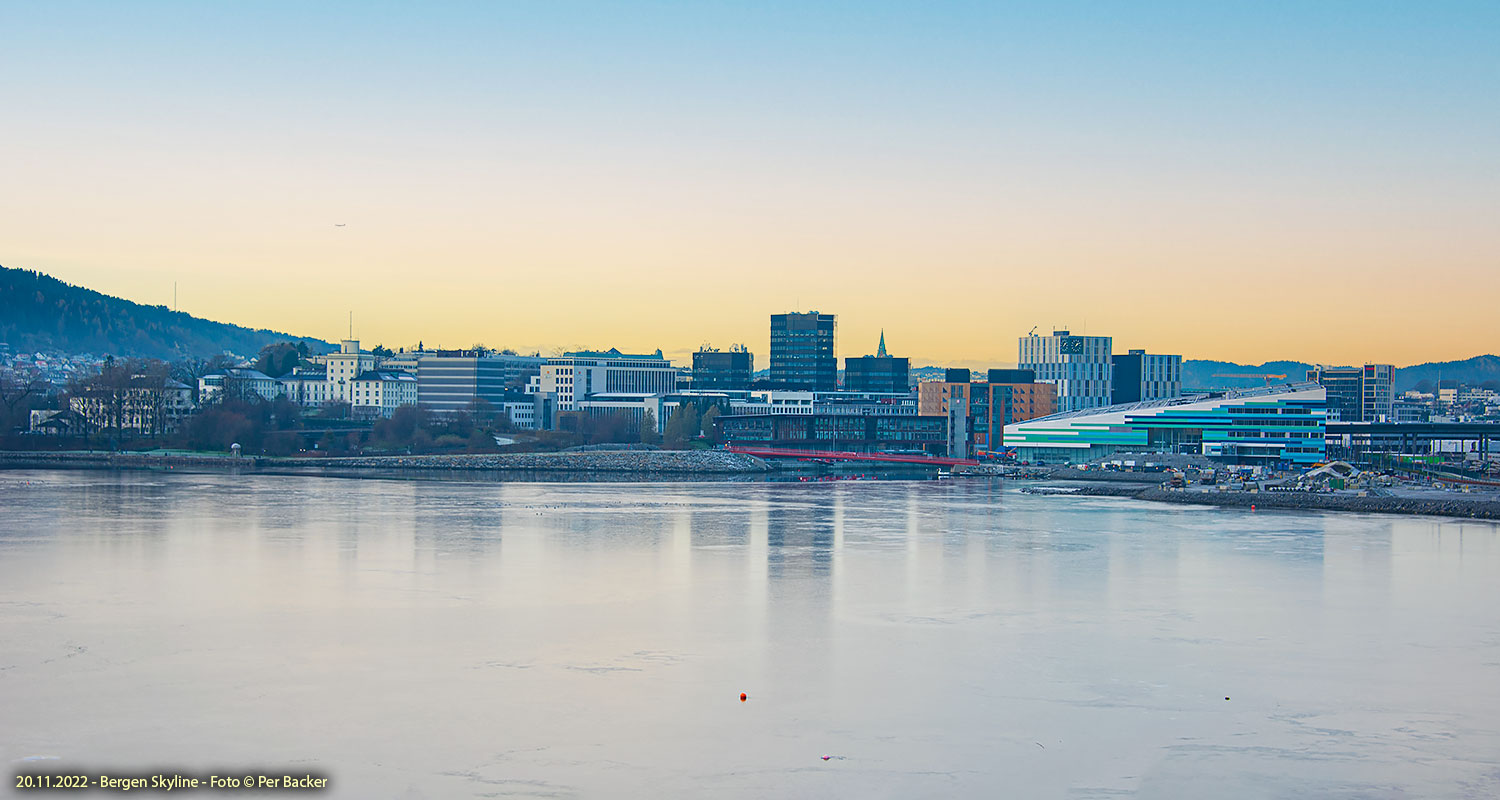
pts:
[39, 312]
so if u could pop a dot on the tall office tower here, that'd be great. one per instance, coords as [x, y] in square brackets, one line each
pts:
[1080, 366]
[881, 372]
[1139, 376]
[802, 352]
[1357, 394]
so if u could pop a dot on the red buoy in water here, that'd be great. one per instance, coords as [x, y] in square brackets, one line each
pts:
[742, 697]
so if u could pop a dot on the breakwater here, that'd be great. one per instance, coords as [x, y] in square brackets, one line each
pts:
[1296, 501]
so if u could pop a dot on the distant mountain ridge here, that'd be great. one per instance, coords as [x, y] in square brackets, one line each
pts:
[1201, 374]
[40, 312]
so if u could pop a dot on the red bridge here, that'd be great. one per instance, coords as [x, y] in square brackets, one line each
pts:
[828, 455]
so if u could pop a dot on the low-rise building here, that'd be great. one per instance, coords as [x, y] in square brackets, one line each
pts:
[574, 377]
[238, 383]
[306, 388]
[839, 432]
[142, 406]
[881, 372]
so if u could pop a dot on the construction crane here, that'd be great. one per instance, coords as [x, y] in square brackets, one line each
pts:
[1268, 376]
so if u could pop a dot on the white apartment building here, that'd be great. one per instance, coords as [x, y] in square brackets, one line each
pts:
[238, 382]
[307, 389]
[1080, 366]
[522, 416]
[378, 393]
[145, 405]
[343, 367]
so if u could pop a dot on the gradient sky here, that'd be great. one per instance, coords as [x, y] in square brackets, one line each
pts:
[1318, 181]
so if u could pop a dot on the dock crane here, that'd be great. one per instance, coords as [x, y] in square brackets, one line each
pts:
[1268, 376]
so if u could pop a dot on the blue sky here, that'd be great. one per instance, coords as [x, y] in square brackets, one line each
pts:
[692, 144]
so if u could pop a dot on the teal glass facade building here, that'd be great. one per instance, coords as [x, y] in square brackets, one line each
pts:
[1260, 426]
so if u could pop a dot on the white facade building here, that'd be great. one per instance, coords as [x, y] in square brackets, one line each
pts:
[574, 377]
[343, 367]
[522, 416]
[307, 389]
[1080, 366]
[145, 405]
[238, 382]
[378, 393]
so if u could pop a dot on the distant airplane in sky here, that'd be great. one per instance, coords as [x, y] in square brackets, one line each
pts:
[338, 224]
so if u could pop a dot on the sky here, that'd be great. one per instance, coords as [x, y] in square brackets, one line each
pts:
[1238, 181]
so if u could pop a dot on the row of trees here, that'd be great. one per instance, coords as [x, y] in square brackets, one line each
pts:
[686, 425]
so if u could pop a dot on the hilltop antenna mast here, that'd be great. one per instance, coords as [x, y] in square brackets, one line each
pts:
[351, 324]
[174, 295]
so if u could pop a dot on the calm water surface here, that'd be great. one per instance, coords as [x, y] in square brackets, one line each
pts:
[937, 639]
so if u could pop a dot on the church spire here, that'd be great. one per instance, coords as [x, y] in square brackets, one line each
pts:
[881, 352]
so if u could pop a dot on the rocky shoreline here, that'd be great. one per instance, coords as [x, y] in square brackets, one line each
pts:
[1295, 501]
[642, 462]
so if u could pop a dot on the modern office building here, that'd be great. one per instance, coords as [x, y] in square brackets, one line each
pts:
[881, 372]
[577, 376]
[714, 369]
[1139, 375]
[1019, 401]
[803, 348]
[849, 433]
[1256, 426]
[449, 381]
[1357, 394]
[1080, 367]
[776, 401]
[986, 407]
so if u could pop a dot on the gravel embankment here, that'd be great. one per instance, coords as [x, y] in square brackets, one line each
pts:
[1071, 474]
[631, 461]
[644, 461]
[1298, 501]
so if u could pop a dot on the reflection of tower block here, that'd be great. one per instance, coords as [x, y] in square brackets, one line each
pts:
[958, 427]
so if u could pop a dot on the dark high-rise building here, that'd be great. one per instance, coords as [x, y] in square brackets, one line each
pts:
[713, 369]
[956, 375]
[1357, 394]
[878, 373]
[1139, 375]
[802, 352]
